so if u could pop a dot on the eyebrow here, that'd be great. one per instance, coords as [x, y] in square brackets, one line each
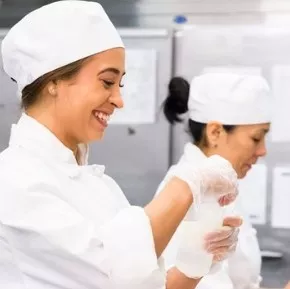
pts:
[111, 69]
[265, 130]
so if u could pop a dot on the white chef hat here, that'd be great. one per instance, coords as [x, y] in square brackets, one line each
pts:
[229, 98]
[55, 35]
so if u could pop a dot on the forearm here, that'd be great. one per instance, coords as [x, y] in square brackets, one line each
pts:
[167, 211]
[177, 280]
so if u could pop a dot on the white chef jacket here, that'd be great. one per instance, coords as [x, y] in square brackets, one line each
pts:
[242, 269]
[65, 226]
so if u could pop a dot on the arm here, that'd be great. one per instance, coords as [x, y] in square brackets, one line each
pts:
[167, 210]
[214, 177]
[68, 244]
[117, 243]
[177, 280]
[222, 243]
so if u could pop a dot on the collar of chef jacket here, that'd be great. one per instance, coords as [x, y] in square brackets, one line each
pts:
[35, 137]
[192, 154]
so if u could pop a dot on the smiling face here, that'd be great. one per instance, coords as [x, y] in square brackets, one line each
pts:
[77, 109]
[242, 146]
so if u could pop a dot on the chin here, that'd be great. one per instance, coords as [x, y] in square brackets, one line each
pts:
[95, 136]
[243, 173]
[99, 136]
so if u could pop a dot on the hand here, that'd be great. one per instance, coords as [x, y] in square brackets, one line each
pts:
[287, 286]
[214, 178]
[219, 179]
[223, 242]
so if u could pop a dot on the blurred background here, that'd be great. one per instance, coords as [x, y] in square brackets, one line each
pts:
[168, 38]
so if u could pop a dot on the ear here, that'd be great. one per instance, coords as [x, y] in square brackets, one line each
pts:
[214, 131]
[52, 88]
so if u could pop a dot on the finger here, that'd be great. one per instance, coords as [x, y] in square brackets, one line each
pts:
[229, 246]
[233, 221]
[223, 248]
[212, 245]
[221, 234]
[224, 201]
[227, 243]
[227, 199]
[224, 253]
[220, 257]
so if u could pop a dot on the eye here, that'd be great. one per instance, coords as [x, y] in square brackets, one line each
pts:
[108, 84]
[256, 140]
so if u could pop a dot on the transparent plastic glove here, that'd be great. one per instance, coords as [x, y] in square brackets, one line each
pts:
[214, 178]
[199, 251]
[223, 242]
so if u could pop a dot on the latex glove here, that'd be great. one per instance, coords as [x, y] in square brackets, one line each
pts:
[223, 242]
[214, 178]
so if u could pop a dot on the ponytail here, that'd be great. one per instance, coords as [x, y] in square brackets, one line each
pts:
[176, 101]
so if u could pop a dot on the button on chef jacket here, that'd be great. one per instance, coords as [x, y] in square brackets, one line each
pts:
[65, 226]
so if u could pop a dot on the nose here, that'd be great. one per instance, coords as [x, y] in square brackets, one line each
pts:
[116, 99]
[262, 150]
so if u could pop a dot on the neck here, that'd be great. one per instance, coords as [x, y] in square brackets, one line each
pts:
[55, 125]
[207, 150]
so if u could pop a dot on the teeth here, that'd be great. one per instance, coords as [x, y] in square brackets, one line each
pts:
[102, 116]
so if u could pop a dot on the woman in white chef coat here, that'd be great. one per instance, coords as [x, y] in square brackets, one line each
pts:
[64, 224]
[229, 115]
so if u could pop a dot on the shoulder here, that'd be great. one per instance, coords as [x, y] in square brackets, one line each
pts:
[165, 180]
[116, 189]
[19, 170]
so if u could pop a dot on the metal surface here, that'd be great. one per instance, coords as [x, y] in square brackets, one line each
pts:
[201, 47]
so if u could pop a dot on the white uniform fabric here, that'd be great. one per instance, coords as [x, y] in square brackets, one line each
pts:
[55, 35]
[65, 226]
[229, 98]
[240, 271]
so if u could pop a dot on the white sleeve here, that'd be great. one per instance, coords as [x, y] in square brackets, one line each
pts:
[66, 248]
[129, 247]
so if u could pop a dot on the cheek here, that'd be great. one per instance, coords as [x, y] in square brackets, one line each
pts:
[245, 157]
[85, 99]
[97, 96]
[239, 153]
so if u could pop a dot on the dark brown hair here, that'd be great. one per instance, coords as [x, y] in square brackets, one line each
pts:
[176, 104]
[32, 92]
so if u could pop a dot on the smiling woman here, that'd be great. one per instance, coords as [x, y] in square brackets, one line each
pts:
[80, 96]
